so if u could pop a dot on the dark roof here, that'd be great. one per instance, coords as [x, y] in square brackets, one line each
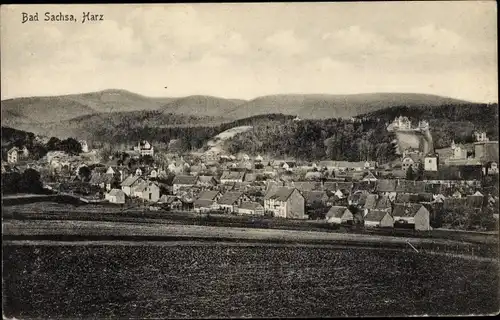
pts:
[406, 210]
[359, 197]
[232, 175]
[208, 195]
[203, 203]
[307, 185]
[314, 196]
[375, 215]
[454, 202]
[207, 179]
[129, 181]
[336, 212]
[386, 185]
[167, 199]
[410, 186]
[371, 201]
[248, 205]
[185, 180]
[282, 194]
[383, 203]
[229, 198]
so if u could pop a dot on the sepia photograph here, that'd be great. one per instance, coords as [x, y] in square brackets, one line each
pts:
[250, 160]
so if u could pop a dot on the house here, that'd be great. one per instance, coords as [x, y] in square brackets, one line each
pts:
[115, 196]
[315, 197]
[129, 184]
[171, 202]
[230, 201]
[491, 168]
[232, 176]
[251, 208]
[144, 148]
[339, 215]
[378, 218]
[207, 181]
[286, 203]
[181, 181]
[370, 203]
[84, 145]
[203, 205]
[431, 162]
[414, 214]
[13, 155]
[149, 191]
[313, 175]
[369, 177]
[476, 200]
[153, 173]
[410, 160]
[481, 136]
[358, 198]
[138, 172]
[459, 152]
[210, 195]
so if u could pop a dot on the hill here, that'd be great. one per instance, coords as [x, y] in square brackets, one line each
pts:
[201, 106]
[323, 106]
[41, 109]
[114, 100]
[20, 112]
[99, 126]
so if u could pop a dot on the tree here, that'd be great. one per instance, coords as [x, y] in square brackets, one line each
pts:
[53, 144]
[30, 181]
[84, 173]
[420, 171]
[410, 175]
[71, 146]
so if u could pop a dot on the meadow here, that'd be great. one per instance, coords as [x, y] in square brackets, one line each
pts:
[193, 280]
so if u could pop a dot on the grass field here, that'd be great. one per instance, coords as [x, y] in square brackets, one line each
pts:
[110, 213]
[217, 280]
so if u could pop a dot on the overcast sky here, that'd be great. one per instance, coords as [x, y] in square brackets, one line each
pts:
[249, 50]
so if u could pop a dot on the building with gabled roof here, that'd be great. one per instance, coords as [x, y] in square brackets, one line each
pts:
[378, 218]
[339, 215]
[414, 214]
[115, 196]
[130, 183]
[286, 203]
[232, 176]
[181, 181]
[251, 208]
[231, 200]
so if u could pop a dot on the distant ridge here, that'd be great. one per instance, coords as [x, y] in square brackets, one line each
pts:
[22, 112]
[321, 106]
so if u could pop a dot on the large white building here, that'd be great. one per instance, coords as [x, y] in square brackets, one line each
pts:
[144, 148]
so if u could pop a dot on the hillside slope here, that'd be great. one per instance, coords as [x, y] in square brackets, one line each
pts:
[114, 100]
[41, 109]
[322, 106]
[201, 106]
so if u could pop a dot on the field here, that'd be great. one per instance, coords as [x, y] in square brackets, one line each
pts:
[193, 280]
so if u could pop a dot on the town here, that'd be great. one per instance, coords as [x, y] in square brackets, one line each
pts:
[422, 190]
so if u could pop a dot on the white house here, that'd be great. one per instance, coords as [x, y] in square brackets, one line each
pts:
[339, 215]
[144, 148]
[84, 145]
[431, 163]
[414, 214]
[149, 191]
[115, 196]
[129, 184]
[13, 155]
[378, 218]
[286, 203]
[251, 208]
